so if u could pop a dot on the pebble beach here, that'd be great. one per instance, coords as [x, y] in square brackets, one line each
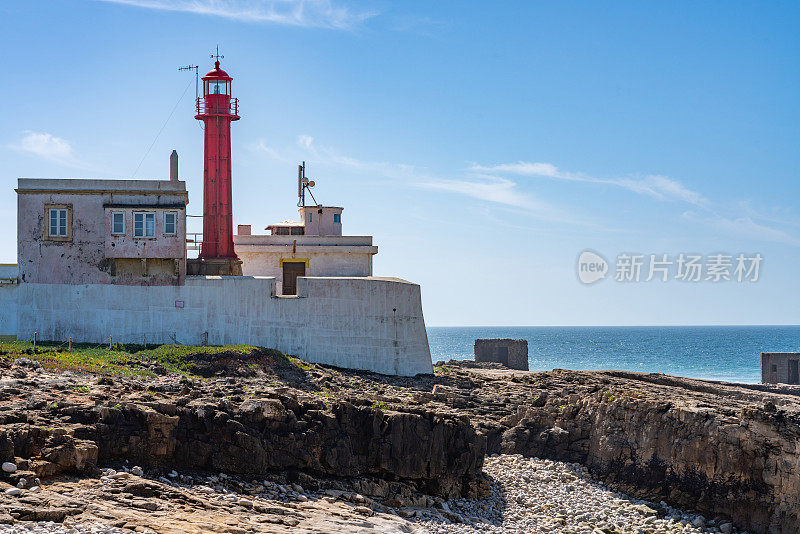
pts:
[48, 527]
[530, 495]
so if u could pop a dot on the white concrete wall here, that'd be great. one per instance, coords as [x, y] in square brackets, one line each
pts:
[8, 309]
[368, 323]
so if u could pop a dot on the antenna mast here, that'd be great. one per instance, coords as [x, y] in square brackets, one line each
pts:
[196, 78]
[304, 184]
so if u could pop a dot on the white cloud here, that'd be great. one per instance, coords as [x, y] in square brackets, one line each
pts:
[504, 192]
[307, 13]
[656, 186]
[484, 183]
[261, 146]
[662, 188]
[306, 149]
[745, 227]
[491, 189]
[528, 169]
[47, 146]
[499, 190]
[305, 141]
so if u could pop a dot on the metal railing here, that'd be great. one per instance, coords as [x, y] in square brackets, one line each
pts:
[217, 108]
[194, 240]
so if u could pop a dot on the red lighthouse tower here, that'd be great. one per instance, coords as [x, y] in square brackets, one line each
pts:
[217, 110]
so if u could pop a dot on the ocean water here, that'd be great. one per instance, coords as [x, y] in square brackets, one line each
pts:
[731, 353]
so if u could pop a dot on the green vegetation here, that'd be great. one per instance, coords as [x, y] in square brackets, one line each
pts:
[328, 396]
[131, 360]
[82, 358]
[379, 405]
[300, 364]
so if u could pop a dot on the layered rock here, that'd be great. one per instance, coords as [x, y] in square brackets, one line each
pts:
[438, 455]
[730, 452]
[720, 449]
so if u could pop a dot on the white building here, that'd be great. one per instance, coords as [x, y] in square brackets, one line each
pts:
[313, 246]
[102, 260]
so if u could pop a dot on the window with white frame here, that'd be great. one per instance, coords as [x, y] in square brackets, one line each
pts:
[117, 222]
[170, 223]
[144, 224]
[58, 221]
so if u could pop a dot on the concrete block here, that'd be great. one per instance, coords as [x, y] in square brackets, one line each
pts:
[512, 353]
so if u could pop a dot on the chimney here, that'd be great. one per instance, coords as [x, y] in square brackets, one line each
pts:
[173, 166]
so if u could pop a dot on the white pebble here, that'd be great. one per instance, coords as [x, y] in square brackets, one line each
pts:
[534, 496]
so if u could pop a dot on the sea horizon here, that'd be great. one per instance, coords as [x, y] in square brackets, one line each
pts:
[714, 352]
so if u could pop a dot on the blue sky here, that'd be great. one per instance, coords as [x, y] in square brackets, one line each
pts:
[483, 144]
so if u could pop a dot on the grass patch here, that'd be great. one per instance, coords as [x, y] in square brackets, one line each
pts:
[82, 358]
[128, 360]
[300, 364]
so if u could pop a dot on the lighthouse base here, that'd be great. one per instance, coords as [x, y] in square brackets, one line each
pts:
[214, 266]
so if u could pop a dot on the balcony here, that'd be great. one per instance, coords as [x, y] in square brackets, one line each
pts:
[218, 107]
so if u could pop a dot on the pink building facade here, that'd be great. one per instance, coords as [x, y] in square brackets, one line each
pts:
[77, 231]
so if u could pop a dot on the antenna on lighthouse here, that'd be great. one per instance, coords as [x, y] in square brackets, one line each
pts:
[196, 78]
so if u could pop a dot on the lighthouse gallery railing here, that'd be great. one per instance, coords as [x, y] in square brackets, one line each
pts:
[212, 108]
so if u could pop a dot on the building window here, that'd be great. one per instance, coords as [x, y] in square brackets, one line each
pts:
[170, 223]
[310, 218]
[117, 223]
[337, 217]
[58, 222]
[144, 224]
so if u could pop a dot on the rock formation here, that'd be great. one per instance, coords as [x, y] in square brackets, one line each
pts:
[730, 452]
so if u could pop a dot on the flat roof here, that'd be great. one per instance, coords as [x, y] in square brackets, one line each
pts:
[94, 185]
[285, 223]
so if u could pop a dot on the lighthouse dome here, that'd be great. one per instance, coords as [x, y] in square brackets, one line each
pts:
[217, 72]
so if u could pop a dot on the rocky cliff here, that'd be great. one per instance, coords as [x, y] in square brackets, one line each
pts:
[723, 450]
[437, 454]
[730, 452]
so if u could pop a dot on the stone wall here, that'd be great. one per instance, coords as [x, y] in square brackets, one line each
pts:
[512, 353]
[779, 361]
[374, 324]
